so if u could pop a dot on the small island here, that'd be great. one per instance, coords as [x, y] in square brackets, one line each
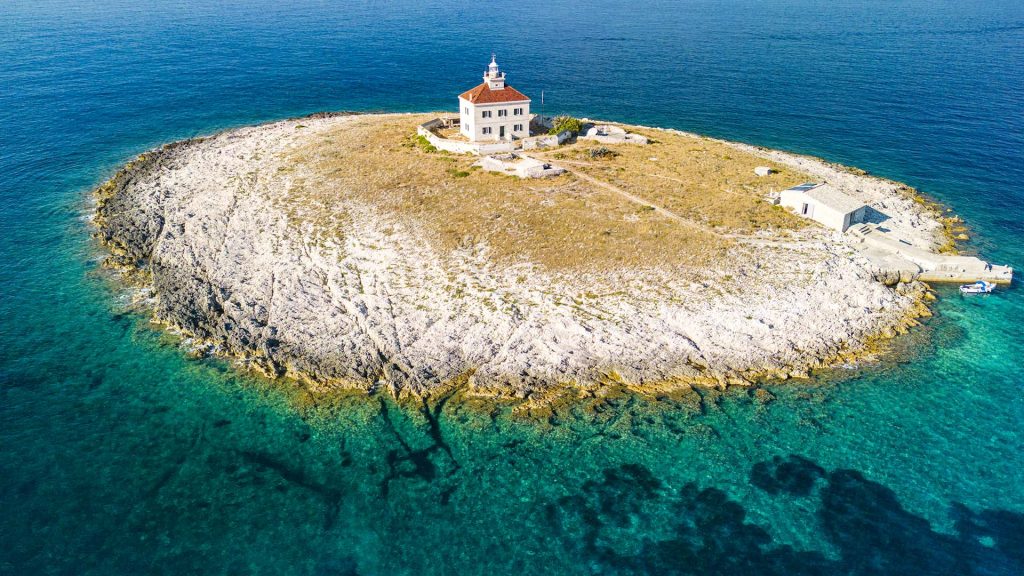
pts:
[520, 256]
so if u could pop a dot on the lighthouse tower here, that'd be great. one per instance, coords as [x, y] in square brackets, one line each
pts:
[494, 111]
[494, 78]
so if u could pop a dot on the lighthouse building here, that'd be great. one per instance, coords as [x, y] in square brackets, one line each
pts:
[494, 111]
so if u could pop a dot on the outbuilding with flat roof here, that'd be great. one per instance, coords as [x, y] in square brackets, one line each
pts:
[825, 204]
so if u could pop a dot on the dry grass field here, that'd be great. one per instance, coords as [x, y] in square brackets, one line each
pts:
[698, 178]
[564, 223]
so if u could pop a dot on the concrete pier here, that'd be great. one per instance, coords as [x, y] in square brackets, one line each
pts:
[891, 254]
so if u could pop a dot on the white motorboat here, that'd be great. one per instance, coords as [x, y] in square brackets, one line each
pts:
[979, 287]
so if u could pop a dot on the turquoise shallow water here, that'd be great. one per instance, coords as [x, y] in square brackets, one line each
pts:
[119, 455]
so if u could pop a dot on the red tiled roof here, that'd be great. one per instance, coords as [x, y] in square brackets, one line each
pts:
[484, 95]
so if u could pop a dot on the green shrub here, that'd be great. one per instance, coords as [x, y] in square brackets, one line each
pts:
[425, 144]
[563, 123]
[602, 152]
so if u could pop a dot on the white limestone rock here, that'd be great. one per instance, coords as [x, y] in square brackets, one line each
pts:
[384, 308]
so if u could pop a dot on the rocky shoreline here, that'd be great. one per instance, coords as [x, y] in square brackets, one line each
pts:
[363, 299]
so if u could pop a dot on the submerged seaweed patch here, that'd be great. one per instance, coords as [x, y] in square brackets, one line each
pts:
[707, 532]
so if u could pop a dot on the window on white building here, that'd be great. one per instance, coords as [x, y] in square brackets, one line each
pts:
[465, 109]
[486, 130]
[518, 112]
[485, 114]
[502, 113]
[518, 128]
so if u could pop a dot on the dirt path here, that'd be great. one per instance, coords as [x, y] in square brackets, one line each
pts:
[631, 197]
[644, 203]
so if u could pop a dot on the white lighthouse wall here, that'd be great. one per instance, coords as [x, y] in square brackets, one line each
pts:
[474, 124]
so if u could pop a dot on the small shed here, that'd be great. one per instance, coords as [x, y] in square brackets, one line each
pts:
[763, 170]
[825, 204]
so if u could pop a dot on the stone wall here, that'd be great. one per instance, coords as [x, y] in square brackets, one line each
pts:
[459, 147]
[608, 134]
[484, 148]
[519, 165]
[427, 131]
[545, 141]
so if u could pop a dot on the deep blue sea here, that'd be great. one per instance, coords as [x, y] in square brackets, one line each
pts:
[121, 455]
